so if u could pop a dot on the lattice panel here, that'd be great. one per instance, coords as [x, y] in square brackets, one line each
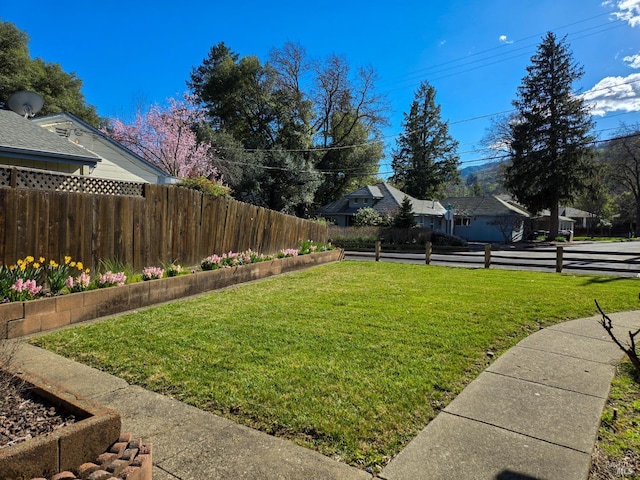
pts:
[5, 177]
[39, 180]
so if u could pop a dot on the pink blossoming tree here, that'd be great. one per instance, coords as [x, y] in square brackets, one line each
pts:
[165, 137]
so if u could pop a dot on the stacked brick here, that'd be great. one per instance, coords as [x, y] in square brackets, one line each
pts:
[126, 459]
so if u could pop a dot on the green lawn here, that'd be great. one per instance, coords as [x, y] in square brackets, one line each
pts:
[352, 359]
[618, 446]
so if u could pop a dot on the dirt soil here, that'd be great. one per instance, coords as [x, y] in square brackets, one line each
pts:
[24, 415]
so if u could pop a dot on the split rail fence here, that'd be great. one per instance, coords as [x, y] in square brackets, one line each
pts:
[559, 258]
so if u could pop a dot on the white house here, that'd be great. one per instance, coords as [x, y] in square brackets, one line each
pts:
[116, 161]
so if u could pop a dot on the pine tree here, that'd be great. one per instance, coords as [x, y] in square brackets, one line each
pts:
[426, 156]
[551, 157]
[404, 217]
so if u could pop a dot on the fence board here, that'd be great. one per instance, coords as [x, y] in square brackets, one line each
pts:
[4, 193]
[11, 228]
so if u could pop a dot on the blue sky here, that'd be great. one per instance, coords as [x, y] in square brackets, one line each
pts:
[473, 52]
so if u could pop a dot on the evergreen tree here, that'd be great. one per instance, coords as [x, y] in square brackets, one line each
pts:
[404, 217]
[426, 156]
[550, 134]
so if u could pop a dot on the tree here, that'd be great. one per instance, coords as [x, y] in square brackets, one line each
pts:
[288, 130]
[550, 156]
[404, 217]
[622, 155]
[349, 114]
[426, 155]
[166, 137]
[61, 91]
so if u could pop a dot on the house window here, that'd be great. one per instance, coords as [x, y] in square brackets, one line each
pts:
[356, 200]
[463, 221]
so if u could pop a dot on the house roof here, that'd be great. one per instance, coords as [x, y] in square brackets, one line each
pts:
[483, 206]
[66, 118]
[370, 191]
[575, 213]
[21, 138]
[387, 200]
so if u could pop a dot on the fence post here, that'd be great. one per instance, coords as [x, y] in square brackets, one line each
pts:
[559, 259]
[378, 250]
[487, 255]
[427, 253]
[14, 177]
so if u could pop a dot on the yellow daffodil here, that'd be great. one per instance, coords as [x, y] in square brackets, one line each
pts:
[41, 260]
[72, 264]
[36, 265]
[12, 267]
[29, 259]
[79, 265]
[53, 264]
[67, 259]
[87, 271]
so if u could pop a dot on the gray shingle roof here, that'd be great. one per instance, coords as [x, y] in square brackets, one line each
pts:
[388, 199]
[575, 213]
[21, 138]
[483, 206]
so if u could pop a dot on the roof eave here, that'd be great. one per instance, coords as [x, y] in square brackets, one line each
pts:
[24, 154]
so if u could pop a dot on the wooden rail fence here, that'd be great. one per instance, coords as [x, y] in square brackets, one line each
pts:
[559, 258]
[166, 223]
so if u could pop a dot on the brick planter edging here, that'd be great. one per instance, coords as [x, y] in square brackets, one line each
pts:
[18, 319]
[126, 459]
[64, 448]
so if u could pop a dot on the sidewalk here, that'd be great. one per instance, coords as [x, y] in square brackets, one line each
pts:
[534, 413]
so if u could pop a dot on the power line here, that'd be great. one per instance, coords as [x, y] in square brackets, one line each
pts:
[380, 139]
[495, 158]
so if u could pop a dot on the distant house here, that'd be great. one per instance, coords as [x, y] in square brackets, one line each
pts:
[116, 162]
[583, 219]
[385, 200]
[486, 219]
[541, 223]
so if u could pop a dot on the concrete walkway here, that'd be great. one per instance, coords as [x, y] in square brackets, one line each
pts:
[533, 414]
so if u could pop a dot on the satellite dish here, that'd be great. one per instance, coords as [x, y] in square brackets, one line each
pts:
[25, 103]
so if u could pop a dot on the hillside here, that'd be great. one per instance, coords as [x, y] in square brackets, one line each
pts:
[485, 179]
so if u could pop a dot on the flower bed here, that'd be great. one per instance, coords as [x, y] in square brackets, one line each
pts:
[22, 318]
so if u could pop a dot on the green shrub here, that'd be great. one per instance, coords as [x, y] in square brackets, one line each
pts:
[442, 239]
[204, 185]
[366, 217]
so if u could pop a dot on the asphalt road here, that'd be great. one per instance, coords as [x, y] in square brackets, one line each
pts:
[609, 258]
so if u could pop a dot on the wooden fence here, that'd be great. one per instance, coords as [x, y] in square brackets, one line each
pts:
[556, 258]
[166, 223]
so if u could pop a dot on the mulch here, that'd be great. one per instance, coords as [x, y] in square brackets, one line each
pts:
[24, 415]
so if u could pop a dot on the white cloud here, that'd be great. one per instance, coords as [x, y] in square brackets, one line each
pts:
[633, 60]
[504, 39]
[613, 94]
[628, 10]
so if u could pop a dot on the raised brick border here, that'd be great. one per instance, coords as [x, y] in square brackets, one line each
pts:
[126, 459]
[66, 447]
[18, 319]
